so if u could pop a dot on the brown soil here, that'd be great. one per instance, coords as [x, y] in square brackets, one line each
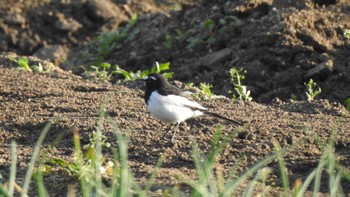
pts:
[281, 45]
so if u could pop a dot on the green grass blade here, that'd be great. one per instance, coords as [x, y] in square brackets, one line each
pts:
[336, 189]
[306, 183]
[13, 168]
[40, 184]
[4, 192]
[283, 168]
[341, 169]
[98, 152]
[33, 159]
[232, 185]
[262, 174]
[200, 188]
[125, 176]
[248, 192]
[78, 160]
[318, 176]
[153, 175]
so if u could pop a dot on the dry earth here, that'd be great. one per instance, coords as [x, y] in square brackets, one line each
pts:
[281, 45]
[30, 100]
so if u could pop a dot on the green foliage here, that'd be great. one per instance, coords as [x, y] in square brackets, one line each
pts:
[347, 104]
[347, 33]
[111, 41]
[193, 41]
[204, 33]
[208, 24]
[158, 68]
[104, 72]
[237, 75]
[169, 41]
[209, 30]
[23, 64]
[293, 97]
[179, 34]
[206, 92]
[312, 90]
[206, 89]
[100, 72]
[114, 178]
[230, 20]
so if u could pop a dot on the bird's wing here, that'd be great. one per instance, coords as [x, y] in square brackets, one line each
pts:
[184, 102]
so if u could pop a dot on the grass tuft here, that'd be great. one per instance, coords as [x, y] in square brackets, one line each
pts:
[99, 177]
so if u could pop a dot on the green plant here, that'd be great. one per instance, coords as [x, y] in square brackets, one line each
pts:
[206, 92]
[293, 97]
[193, 41]
[111, 41]
[206, 89]
[8, 192]
[230, 20]
[208, 30]
[158, 68]
[91, 171]
[38, 67]
[23, 63]
[209, 182]
[99, 72]
[169, 39]
[347, 104]
[312, 90]
[242, 91]
[104, 71]
[210, 26]
[347, 33]
[179, 34]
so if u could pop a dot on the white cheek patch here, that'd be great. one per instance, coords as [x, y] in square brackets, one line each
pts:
[152, 77]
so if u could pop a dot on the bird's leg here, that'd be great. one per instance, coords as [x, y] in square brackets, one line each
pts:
[175, 130]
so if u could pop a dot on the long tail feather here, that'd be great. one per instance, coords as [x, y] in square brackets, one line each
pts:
[221, 117]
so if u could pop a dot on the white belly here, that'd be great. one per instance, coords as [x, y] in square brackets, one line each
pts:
[172, 109]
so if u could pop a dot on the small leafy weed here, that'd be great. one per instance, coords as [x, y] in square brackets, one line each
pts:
[347, 33]
[347, 104]
[23, 64]
[312, 90]
[104, 72]
[158, 68]
[111, 41]
[99, 72]
[169, 40]
[237, 75]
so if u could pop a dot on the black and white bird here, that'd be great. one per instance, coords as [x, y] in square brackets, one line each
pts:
[169, 104]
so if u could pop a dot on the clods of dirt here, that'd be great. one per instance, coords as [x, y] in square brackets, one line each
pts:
[281, 44]
[28, 100]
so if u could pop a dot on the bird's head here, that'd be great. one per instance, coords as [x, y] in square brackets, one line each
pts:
[154, 81]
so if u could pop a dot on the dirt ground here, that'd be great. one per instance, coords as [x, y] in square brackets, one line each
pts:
[280, 44]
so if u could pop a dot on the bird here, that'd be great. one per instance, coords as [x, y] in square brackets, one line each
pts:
[169, 104]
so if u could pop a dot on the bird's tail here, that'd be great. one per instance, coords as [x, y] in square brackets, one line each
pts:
[221, 117]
